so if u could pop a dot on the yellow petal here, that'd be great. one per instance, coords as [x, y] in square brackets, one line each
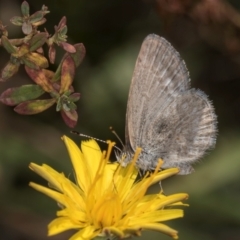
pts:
[107, 176]
[157, 216]
[79, 164]
[51, 193]
[124, 179]
[86, 233]
[164, 174]
[159, 201]
[161, 228]
[70, 190]
[61, 224]
[76, 216]
[92, 155]
[47, 173]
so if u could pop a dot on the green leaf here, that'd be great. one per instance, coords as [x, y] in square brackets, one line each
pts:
[34, 107]
[14, 96]
[8, 46]
[25, 9]
[18, 21]
[41, 22]
[37, 41]
[59, 105]
[63, 31]
[29, 63]
[68, 106]
[37, 16]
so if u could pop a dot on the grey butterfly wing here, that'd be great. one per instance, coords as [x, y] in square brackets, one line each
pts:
[156, 77]
[182, 133]
[159, 87]
[157, 71]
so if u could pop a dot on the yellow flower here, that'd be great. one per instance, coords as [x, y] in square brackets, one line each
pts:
[107, 199]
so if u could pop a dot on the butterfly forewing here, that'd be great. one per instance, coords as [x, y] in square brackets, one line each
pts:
[155, 82]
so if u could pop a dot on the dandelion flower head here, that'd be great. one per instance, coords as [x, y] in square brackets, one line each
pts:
[106, 199]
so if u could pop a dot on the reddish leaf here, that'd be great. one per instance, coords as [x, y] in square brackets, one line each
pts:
[68, 47]
[39, 77]
[27, 28]
[34, 107]
[40, 50]
[62, 22]
[67, 74]
[48, 73]
[79, 55]
[9, 70]
[74, 97]
[70, 118]
[52, 54]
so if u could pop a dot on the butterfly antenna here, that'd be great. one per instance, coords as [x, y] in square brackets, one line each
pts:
[87, 136]
[116, 135]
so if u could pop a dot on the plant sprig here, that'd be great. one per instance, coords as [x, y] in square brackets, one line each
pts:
[28, 51]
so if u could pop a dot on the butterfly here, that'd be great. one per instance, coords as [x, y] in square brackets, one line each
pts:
[165, 117]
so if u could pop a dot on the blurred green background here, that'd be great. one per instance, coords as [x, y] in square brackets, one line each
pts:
[207, 35]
